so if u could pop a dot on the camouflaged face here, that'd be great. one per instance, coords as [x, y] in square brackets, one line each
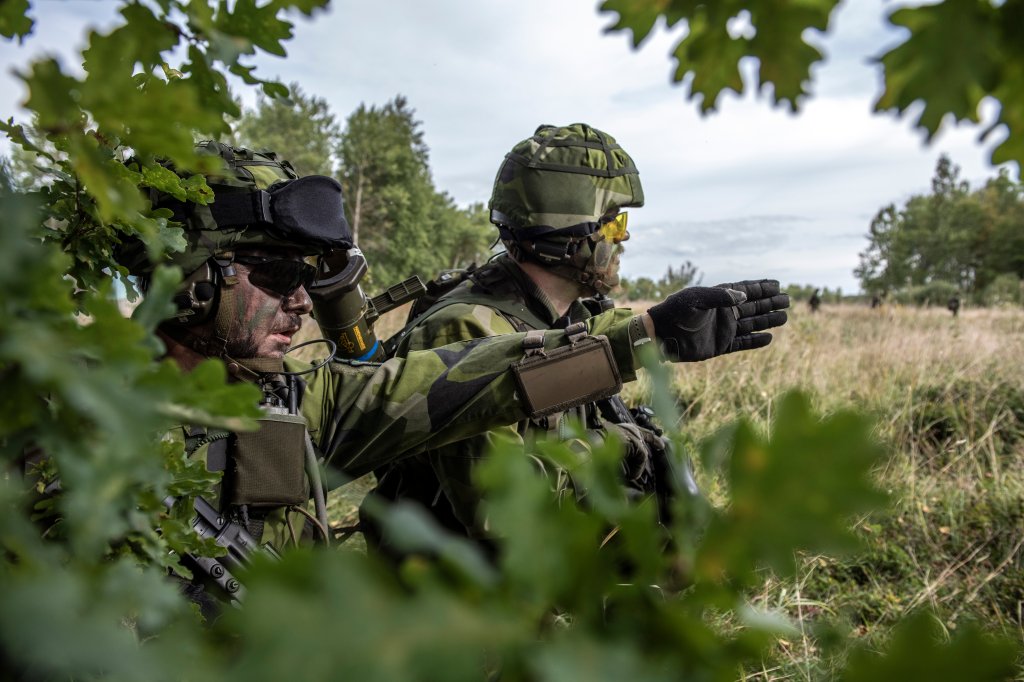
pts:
[564, 178]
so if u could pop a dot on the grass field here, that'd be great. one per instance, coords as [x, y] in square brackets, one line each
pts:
[947, 397]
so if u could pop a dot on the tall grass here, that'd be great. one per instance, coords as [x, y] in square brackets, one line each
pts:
[947, 395]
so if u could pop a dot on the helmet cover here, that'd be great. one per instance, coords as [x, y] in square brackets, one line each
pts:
[259, 201]
[563, 180]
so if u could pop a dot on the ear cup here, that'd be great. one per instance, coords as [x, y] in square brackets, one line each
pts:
[198, 295]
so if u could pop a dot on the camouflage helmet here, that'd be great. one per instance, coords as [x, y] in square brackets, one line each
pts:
[561, 182]
[258, 201]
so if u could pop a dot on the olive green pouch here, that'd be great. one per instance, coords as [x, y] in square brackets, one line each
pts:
[555, 380]
[267, 467]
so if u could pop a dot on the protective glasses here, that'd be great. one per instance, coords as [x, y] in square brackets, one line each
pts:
[281, 276]
[614, 230]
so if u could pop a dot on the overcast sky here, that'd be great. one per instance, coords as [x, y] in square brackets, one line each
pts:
[750, 191]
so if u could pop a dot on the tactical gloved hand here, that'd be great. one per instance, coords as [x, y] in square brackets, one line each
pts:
[637, 467]
[698, 323]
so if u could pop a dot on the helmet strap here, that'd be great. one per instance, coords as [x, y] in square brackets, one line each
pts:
[573, 260]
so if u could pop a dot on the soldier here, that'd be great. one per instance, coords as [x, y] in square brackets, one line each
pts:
[251, 257]
[953, 305]
[557, 204]
[814, 302]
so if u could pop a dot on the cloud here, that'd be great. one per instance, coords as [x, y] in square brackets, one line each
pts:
[747, 189]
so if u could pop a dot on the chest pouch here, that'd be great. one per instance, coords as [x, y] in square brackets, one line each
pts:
[555, 380]
[266, 466]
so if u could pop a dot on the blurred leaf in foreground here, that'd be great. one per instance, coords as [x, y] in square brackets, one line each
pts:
[917, 652]
[798, 489]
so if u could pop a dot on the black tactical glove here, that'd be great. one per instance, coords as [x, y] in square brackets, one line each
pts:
[698, 323]
[637, 467]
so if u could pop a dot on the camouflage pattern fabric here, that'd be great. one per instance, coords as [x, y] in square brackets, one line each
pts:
[363, 416]
[563, 178]
[441, 478]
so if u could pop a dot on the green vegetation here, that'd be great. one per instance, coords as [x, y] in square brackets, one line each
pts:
[674, 279]
[402, 223]
[301, 128]
[593, 591]
[953, 241]
[949, 407]
[956, 53]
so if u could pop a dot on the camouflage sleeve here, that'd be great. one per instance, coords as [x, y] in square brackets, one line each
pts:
[454, 323]
[364, 415]
[614, 324]
[453, 464]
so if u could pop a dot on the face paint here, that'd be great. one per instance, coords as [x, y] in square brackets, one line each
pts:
[259, 323]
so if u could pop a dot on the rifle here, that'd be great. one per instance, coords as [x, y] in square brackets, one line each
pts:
[672, 474]
[208, 523]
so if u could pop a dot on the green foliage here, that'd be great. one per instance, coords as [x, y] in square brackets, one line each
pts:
[813, 475]
[14, 19]
[710, 52]
[400, 221]
[674, 279]
[952, 241]
[957, 52]
[917, 651]
[803, 292]
[592, 588]
[301, 129]
[1005, 289]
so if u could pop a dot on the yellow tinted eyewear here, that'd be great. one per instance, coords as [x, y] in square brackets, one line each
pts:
[615, 229]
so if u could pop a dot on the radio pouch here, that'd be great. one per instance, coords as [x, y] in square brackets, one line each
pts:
[555, 380]
[266, 467]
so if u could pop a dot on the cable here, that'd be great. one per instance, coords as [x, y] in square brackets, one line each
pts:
[313, 471]
[322, 528]
[330, 344]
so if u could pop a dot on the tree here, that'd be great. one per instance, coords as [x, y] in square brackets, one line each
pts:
[674, 279]
[381, 148]
[956, 53]
[85, 397]
[402, 223]
[466, 235]
[953, 236]
[301, 128]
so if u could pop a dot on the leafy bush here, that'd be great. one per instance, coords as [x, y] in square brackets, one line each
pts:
[595, 590]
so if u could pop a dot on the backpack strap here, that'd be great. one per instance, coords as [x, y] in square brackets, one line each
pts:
[477, 287]
[217, 450]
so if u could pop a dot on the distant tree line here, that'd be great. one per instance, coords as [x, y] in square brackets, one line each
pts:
[402, 222]
[803, 292]
[647, 289]
[954, 241]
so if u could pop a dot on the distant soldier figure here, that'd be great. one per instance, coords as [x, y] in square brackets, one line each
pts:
[953, 304]
[876, 302]
[814, 302]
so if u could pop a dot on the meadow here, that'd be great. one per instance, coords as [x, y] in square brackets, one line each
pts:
[947, 398]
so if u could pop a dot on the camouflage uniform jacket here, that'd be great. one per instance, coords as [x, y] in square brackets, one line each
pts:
[363, 416]
[499, 298]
